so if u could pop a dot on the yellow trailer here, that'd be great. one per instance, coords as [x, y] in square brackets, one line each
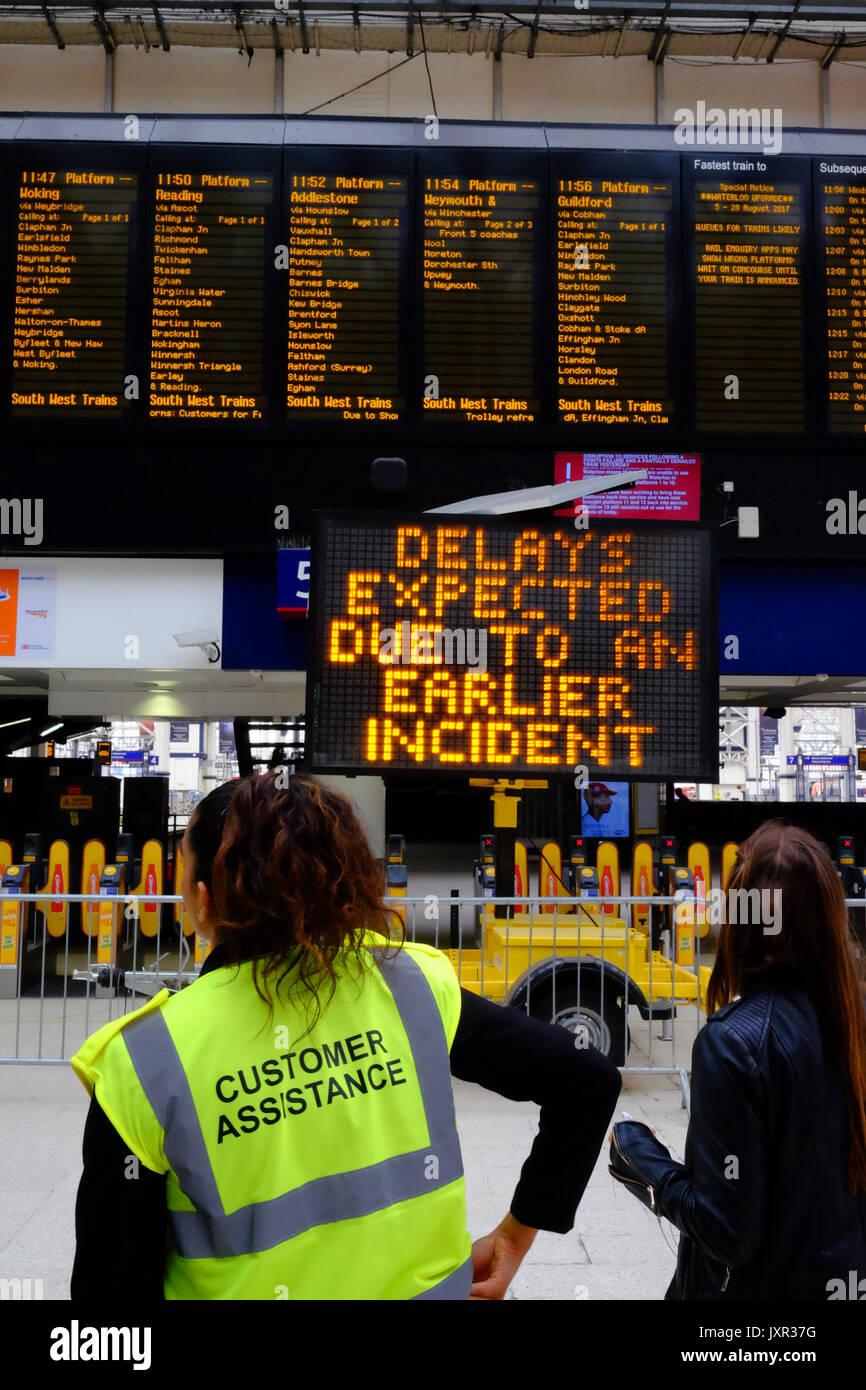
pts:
[581, 969]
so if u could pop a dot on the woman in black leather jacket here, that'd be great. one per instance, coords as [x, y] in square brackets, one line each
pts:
[771, 1199]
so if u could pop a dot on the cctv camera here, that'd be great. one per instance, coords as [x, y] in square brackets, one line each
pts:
[207, 639]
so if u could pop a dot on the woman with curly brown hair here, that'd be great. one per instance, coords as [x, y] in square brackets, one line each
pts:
[292, 1110]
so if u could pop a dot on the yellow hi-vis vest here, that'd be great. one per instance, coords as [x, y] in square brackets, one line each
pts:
[324, 1166]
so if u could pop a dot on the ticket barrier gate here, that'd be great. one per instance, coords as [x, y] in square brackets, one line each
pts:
[551, 881]
[681, 885]
[13, 920]
[698, 864]
[729, 857]
[643, 885]
[607, 864]
[113, 957]
[578, 855]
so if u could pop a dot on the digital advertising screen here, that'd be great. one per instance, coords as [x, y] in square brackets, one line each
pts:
[604, 810]
[491, 647]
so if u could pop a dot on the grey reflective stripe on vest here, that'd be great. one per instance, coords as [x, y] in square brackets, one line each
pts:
[210, 1231]
[457, 1285]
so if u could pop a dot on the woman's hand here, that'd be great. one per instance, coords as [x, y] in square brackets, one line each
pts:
[496, 1258]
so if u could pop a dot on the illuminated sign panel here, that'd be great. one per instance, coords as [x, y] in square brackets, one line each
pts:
[480, 245]
[748, 228]
[616, 229]
[348, 224]
[477, 646]
[209, 249]
[841, 204]
[671, 489]
[74, 231]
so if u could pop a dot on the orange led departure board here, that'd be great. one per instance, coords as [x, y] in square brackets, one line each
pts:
[480, 236]
[206, 342]
[749, 235]
[614, 252]
[346, 239]
[476, 646]
[842, 250]
[70, 317]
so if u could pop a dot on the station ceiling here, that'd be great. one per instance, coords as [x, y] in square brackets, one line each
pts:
[821, 31]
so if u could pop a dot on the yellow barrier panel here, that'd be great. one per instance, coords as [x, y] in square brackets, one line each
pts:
[181, 916]
[10, 915]
[607, 863]
[521, 873]
[729, 854]
[56, 913]
[152, 879]
[684, 921]
[92, 865]
[550, 884]
[642, 885]
[698, 860]
[108, 919]
[202, 950]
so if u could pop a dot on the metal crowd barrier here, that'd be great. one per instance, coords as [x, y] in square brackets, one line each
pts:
[47, 1021]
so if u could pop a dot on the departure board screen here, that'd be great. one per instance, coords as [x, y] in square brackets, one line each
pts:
[747, 221]
[210, 250]
[74, 233]
[485, 646]
[616, 229]
[348, 226]
[841, 205]
[480, 247]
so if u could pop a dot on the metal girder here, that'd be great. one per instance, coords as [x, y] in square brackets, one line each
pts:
[827, 11]
[410, 31]
[658, 45]
[356, 25]
[832, 51]
[500, 40]
[160, 28]
[275, 31]
[780, 38]
[533, 37]
[102, 29]
[302, 20]
[239, 26]
[49, 20]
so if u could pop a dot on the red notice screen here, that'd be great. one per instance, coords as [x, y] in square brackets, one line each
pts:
[670, 491]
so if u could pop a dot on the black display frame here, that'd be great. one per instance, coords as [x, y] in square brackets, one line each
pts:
[354, 161]
[184, 157]
[777, 168]
[709, 663]
[576, 164]
[514, 164]
[99, 157]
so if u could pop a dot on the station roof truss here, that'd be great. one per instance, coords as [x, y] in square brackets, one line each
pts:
[821, 31]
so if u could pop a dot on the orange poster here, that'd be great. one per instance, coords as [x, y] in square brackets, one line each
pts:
[8, 611]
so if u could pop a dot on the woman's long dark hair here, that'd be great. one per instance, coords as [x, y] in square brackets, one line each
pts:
[815, 940]
[292, 879]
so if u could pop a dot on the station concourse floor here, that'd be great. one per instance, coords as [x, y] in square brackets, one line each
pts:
[617, 1249]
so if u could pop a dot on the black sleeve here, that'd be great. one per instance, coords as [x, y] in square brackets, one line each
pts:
[120, 1219]
[504, 1050]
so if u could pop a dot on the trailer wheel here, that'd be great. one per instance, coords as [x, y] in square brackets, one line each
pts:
[603, 1027]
